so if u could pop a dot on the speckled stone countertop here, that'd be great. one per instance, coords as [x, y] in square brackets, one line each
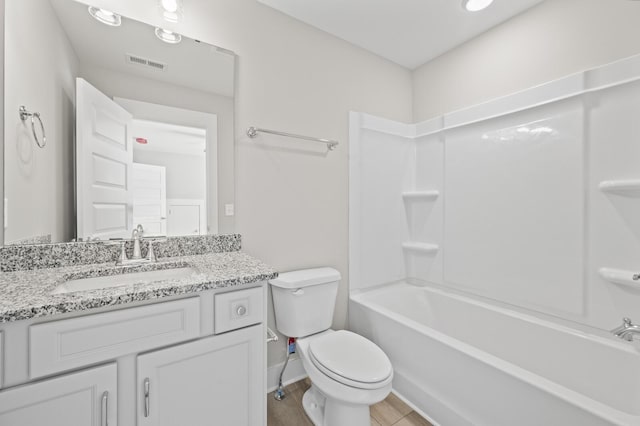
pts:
[26, 294]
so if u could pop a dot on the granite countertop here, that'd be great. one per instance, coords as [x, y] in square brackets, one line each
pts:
[27, 294]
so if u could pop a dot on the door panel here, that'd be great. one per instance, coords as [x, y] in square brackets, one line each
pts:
[214, 381]
[150, 198]
[104, 162]
[78, 399]
[186, 217]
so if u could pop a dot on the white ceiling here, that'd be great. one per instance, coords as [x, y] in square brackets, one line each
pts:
[190, 64]
[408, 32]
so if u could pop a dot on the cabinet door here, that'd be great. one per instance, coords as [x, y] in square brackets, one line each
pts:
[87, 398]
[213, 381]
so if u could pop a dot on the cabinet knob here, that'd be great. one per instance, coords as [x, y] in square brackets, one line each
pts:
[241, 310]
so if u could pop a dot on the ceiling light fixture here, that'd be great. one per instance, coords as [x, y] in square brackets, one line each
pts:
[105, 16]
[171, 10]
[168, 36]
[476, 5]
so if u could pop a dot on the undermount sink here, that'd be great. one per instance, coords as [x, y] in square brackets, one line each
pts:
[122, 279]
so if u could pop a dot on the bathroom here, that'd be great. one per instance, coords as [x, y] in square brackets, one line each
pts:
[489, 275]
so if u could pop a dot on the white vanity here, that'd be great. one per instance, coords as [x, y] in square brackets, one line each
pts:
[195, 357]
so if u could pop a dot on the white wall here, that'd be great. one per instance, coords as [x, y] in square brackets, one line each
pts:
[186, 174]
[291, 198]
[550, 41]
[41, 66]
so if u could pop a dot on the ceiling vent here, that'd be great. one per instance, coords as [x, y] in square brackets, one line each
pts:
[138, 60]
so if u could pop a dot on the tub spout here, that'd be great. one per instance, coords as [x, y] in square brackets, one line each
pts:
[627, 330]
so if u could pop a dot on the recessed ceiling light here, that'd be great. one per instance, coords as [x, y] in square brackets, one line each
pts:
[105, 16]
[171, 10]
[168, 36]
[476, 5]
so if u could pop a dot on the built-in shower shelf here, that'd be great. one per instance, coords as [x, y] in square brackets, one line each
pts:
[423, 248]
[628, 187]
[420, 195]
[621, 277]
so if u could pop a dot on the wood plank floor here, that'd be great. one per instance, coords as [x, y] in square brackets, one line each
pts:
[289, 412]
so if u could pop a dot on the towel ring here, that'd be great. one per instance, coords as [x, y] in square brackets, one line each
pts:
[24, 114]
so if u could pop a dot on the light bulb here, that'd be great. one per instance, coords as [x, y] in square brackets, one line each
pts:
[105, 16]
[170, 5]
[168, 36]
[476, 5]
[171, 10]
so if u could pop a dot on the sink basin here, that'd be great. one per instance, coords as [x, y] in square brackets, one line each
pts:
[119, 280]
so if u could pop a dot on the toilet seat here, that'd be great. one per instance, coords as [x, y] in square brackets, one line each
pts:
[351, 359]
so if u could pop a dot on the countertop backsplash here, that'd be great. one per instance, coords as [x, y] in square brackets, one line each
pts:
[41, 256]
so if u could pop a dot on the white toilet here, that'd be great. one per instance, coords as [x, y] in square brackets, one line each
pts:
[348, 372]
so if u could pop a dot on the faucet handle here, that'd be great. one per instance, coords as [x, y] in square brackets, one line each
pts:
[151, 255]
[122, 259]
[626, 323]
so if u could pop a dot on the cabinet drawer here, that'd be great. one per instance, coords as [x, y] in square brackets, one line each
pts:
[72, 343]
[238, 309]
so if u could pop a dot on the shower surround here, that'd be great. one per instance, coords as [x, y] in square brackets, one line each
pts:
[505, 218]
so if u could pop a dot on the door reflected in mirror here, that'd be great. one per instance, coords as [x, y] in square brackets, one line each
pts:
[139, 131]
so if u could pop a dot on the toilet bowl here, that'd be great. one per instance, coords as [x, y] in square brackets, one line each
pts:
[348, 372]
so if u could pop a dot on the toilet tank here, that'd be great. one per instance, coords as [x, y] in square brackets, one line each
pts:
[304, 300]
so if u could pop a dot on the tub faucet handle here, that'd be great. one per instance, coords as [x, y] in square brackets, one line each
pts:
[627, 330]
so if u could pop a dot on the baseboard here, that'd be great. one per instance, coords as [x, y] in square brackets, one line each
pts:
[293, 373]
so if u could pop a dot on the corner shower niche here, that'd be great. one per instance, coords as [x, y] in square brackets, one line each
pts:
[522, 199]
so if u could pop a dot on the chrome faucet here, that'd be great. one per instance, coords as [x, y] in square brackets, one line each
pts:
[136, 235]
[136, 257]
[626, 330]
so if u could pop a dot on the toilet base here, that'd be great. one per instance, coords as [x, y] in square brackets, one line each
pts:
[324, 411]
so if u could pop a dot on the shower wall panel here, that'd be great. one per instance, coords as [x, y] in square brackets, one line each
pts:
[514, 207]
[531, 200]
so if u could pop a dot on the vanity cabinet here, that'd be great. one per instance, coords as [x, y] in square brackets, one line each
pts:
[192, 360]
[208, 382]
[87, 398]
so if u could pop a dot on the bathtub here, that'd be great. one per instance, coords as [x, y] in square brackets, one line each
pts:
[461, 361]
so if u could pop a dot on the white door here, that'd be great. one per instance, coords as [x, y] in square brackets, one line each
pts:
[87, 398]
[150, 198]
[104, 162]
[214, 381]
[186, 217]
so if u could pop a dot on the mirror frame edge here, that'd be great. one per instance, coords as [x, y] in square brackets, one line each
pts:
[2, 81]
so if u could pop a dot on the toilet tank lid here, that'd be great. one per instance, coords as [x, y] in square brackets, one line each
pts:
[305, 278]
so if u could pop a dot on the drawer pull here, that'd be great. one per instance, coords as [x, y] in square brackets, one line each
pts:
[104, 421]
[146, 397]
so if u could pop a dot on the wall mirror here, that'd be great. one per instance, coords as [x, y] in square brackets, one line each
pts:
[138, 123]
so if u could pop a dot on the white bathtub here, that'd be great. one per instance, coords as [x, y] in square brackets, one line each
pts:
[465, 362]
